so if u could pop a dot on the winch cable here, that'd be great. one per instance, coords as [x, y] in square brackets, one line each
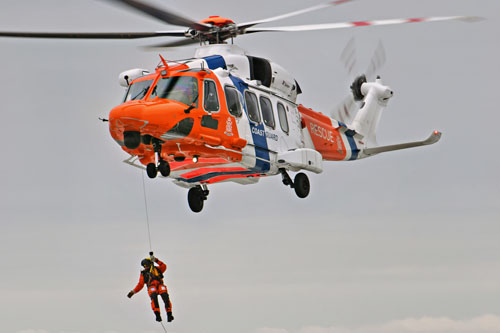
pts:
[148, 228]
[147, 213]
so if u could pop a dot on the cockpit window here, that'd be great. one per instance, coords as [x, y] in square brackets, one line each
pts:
[182, 89]
[211, 101]
[138, 90]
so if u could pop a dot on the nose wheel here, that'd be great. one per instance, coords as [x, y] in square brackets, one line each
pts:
[196, 197]
[151, 170]
[163, 167]
[300, 183]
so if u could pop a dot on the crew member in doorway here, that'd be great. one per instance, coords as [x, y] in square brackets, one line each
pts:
[152, 277]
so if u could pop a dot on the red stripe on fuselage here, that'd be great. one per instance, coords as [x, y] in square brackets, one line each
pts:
[204, 171]
[202, 162]
[228, 177]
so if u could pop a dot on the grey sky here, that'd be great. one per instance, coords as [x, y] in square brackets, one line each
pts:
[401, 241]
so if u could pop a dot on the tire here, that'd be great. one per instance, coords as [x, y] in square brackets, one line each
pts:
[151, 170]
[195, 199]
[301, 185]
[164, 168]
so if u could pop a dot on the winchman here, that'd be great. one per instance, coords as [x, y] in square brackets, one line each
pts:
[152, 277]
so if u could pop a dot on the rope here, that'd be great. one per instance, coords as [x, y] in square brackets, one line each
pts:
[147, 215]
[149, 229]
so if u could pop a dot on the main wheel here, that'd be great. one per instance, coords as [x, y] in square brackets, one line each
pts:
[164, 168]
[195, 199]
[301, 185]
[151, 170]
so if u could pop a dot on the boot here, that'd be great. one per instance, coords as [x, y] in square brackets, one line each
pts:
[169, 316]
[158, 317]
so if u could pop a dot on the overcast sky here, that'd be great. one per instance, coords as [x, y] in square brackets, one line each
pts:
[402, 242]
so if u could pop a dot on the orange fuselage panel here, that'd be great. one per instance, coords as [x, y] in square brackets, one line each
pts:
[326, 139]
[180, 132]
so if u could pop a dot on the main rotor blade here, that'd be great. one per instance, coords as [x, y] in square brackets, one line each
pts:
[164, 15]
[92, 35]
[246, 25]
[178, 43]
[362, 24]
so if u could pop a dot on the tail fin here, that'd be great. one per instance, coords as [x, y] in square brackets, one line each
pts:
[375, 97]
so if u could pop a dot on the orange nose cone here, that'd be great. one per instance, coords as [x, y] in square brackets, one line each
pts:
[131, 121]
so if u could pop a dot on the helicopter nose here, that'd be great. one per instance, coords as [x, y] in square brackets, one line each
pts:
[129, 120]
[165, 121]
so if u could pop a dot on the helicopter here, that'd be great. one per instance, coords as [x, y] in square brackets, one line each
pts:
[224, 115]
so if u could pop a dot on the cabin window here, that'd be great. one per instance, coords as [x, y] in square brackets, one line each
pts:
[138, 90]
[210, 100]
[182, 89]
[252, 107]
[233, 101]
[283, 118]
[267, 111]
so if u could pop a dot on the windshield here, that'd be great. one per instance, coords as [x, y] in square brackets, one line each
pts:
[138, 90]
[182, 89]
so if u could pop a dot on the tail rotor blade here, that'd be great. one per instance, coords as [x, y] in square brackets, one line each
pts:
[348, 56]
[377, 61]
[345, 111]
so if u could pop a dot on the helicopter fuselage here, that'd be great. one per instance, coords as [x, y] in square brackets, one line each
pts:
[225, 117]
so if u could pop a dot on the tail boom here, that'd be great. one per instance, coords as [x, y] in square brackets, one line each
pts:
[330, 138]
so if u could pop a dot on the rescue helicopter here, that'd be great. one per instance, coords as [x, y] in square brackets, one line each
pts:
[225, 115]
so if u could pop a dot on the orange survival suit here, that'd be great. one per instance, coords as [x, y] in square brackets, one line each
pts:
[152, 276]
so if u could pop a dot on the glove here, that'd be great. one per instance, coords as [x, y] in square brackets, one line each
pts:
[153, 259]
[130, 294]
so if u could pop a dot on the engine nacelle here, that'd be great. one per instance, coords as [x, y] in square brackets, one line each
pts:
[128, 76]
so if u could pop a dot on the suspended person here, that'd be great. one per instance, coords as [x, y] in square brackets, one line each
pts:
[152, 277]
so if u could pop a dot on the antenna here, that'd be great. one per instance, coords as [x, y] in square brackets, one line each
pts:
[163, 61]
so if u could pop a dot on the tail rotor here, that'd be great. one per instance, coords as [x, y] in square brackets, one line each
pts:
[346, 110]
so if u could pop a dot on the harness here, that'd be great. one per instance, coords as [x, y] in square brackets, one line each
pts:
[151, 275]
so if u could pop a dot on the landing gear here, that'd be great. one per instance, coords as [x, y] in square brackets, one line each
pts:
[164, 168]
[151, 170]
[300, 183]
[196, 196]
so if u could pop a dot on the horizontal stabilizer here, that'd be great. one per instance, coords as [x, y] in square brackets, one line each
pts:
[433, 138]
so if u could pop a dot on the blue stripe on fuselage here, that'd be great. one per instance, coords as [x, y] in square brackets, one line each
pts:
[215, 61]
[354, 148]
[214, 174]
[259, 141]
